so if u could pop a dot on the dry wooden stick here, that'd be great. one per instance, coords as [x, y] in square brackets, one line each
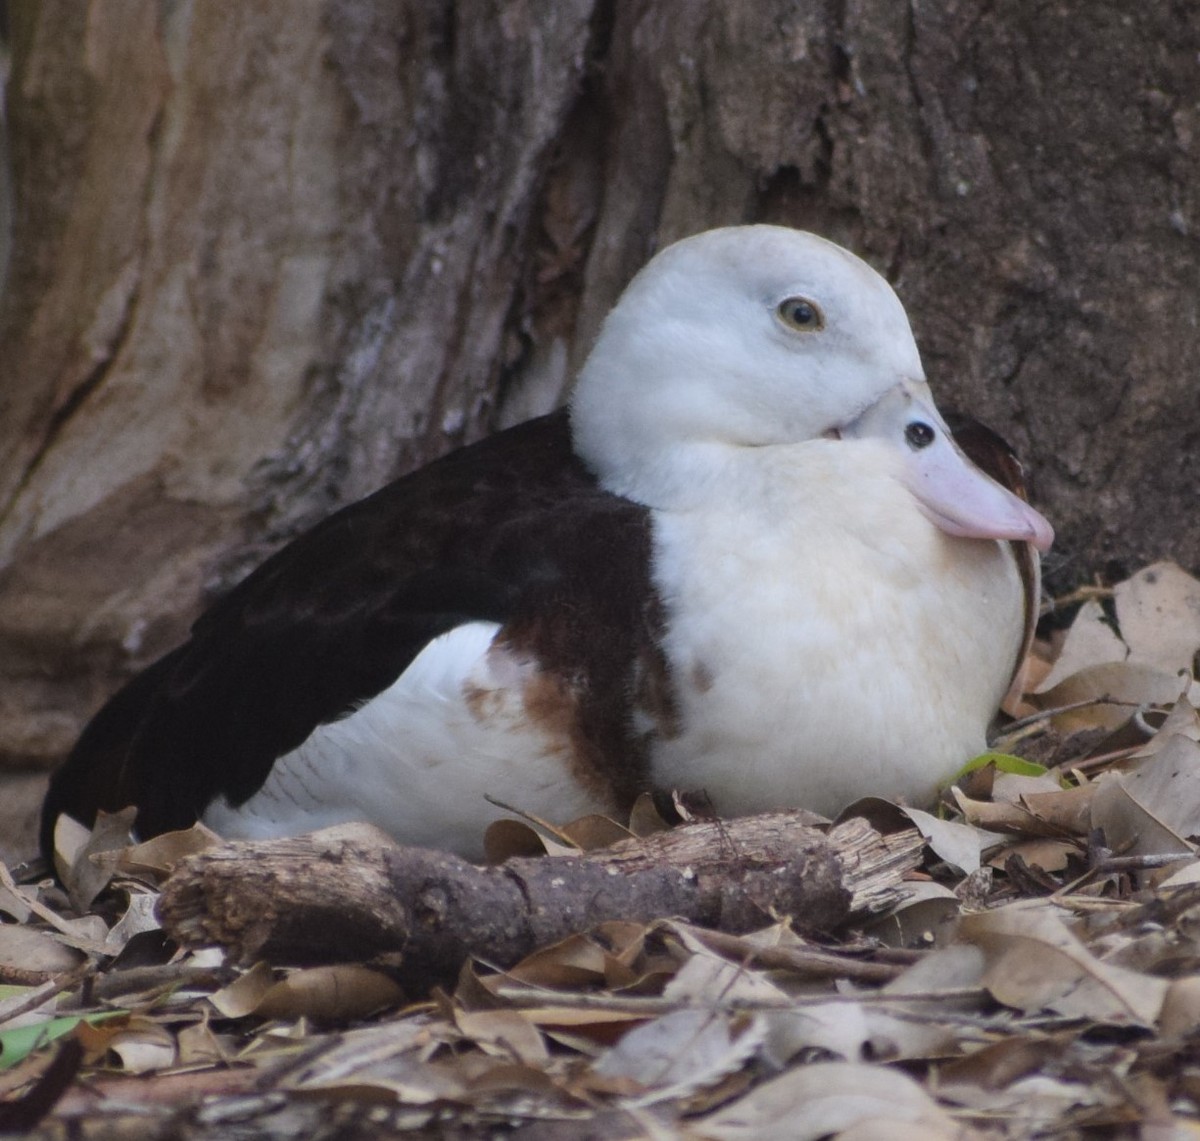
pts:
[352, 893]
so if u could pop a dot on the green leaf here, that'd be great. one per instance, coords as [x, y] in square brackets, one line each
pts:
[19, 1042]
[1005, 763]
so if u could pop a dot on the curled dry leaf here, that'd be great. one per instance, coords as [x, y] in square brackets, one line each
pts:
[34, 952]
[1129, 829]
[1002, 816]
[1105, 696]
[957, 844]
[143, 1046]
[825, 1098]
[708, 978]
[138, 918]
[86, 860]
[158, 855]
[339, 993]
[1035, 962]
[1048, 855]
[926, 918]
[1066, 812]
[323, 994]
[1167, 784]
[507, 1033]
[679, 1053]
[243, 996]
[1158, 612]
[1181, 1007]
[1090, 641]
[604, 956]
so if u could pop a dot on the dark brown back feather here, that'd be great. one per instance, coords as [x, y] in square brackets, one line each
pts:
[511, 529]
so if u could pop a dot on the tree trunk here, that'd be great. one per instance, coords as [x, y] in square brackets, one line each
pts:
[264, 257]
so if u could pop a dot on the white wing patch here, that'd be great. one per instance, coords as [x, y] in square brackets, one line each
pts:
[420, 758]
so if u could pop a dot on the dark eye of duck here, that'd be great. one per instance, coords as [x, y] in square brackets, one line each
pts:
[919, 435]
[801, 314]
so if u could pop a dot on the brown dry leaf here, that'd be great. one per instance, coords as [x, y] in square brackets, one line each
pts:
[159, 855]
[199, 1045]
[507, 1033]
[139, 917]
[1167, 784]
[336, 993]
[886, 1129]
[1180, 876]
[1003, 816]
[1182, 720]
[532, 836]
[14, 902]
[509, 839]
[243, 996]
[553, 840]
[997, 1065]
[1181, 1007]
[69, 839]
[1035, 962]
[1049, 855]
[1065, 812]
[957, 844]
[602, 956]
[143, 1046]
[404, 1077]
[814, 1101]
[27, 949]
[679, 1053]
[82, 867]
[604, 1026]
[1116, 689]
[595, 831]
[1091, 641]
[530, 1091]
[97, 1037]
[644, 817]
[355, 1053]
[1015, 787]
[949, 970]
[1130, 829]
[928, 917]
[708, 978]
[1158, 611]
[1003, 1080]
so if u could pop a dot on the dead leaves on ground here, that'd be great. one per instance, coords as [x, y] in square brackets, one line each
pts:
[1042, 976]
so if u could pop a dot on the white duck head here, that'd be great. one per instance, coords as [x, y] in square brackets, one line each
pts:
[756, 336]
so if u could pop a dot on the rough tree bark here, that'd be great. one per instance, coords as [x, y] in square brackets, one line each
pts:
[264, 257]
[350, 893]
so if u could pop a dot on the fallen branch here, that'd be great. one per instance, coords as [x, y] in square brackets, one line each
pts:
[352, 893]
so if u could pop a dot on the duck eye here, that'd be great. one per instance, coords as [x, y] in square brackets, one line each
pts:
[919, 435]
[801, 314]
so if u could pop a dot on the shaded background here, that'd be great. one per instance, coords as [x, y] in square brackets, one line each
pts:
[258, 258]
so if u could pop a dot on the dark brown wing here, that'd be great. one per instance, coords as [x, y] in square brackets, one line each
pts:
[506, 530]
[991, 452]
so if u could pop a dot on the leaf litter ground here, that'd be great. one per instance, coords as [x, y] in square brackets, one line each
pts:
[1040, 978]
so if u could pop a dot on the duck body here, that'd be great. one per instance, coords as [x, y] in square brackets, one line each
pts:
[749, 561]
[816, 658]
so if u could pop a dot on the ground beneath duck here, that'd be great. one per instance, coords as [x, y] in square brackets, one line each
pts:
[1040, 975]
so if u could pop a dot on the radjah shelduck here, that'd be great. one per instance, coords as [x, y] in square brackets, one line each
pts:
[749, 560]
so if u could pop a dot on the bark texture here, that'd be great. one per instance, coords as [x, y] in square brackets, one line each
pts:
[352, 893]
[264, 257]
